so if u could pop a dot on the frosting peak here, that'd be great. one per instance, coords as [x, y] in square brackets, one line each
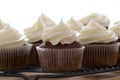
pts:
[99, 18]
[60, 33]
[47, 21]
[96, 33]
[77, 26]
[34, 33]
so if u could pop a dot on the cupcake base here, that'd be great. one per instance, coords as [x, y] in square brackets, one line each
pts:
[14, 57]
[60, 59]
[100, 55]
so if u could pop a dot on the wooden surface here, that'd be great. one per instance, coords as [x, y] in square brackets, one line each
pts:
[102, 76]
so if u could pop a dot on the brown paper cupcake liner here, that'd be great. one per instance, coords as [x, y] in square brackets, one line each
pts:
[58, 60]
[14, 57]
[119, 52]
[100, 55]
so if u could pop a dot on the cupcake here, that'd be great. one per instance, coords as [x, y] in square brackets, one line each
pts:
[77, 26]
[14, 52]
[97, 17]
[34, 36]
[116, 28]
[60, 50]
[101, 46]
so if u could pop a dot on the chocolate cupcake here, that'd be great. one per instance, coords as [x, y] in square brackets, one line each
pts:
[61, 50]
[97, 17]
[14, 52]
[116, 28]
[101, 46]
[34, 34]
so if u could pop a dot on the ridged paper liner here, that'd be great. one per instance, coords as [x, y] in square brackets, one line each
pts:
[14, 57]
[100, 55]
[57, 60]
[119, 52]
[33, 59]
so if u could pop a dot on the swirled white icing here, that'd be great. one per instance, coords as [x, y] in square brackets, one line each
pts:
[116, 28]
[96, 33]
[47, 21]
[77, 26]
[60, 33]
[34, 33]
[9, 35]
[99, 18]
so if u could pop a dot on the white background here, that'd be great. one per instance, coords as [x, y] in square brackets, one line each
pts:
[23, 13]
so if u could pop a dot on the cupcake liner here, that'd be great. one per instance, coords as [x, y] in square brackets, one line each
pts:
[33, 59]
[119, 52]
[58, 60]
[100, 55]
[14, 56]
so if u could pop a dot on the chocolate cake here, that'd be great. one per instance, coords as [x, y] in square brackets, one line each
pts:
[33, 58]
[60, 46]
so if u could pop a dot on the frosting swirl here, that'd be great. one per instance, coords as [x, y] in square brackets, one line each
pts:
[60, 33]
[96, 33]
[34, 33]
[116, 28]
[9, 35]
[74, 25]
[47, 21]
[99, 18]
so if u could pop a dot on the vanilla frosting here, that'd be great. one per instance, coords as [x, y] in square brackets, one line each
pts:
[116, 28]
[99, 18]
[96, 33]
[60, 33]
[34, 33]
[9, 35]
[47, 21]
[77, 26]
